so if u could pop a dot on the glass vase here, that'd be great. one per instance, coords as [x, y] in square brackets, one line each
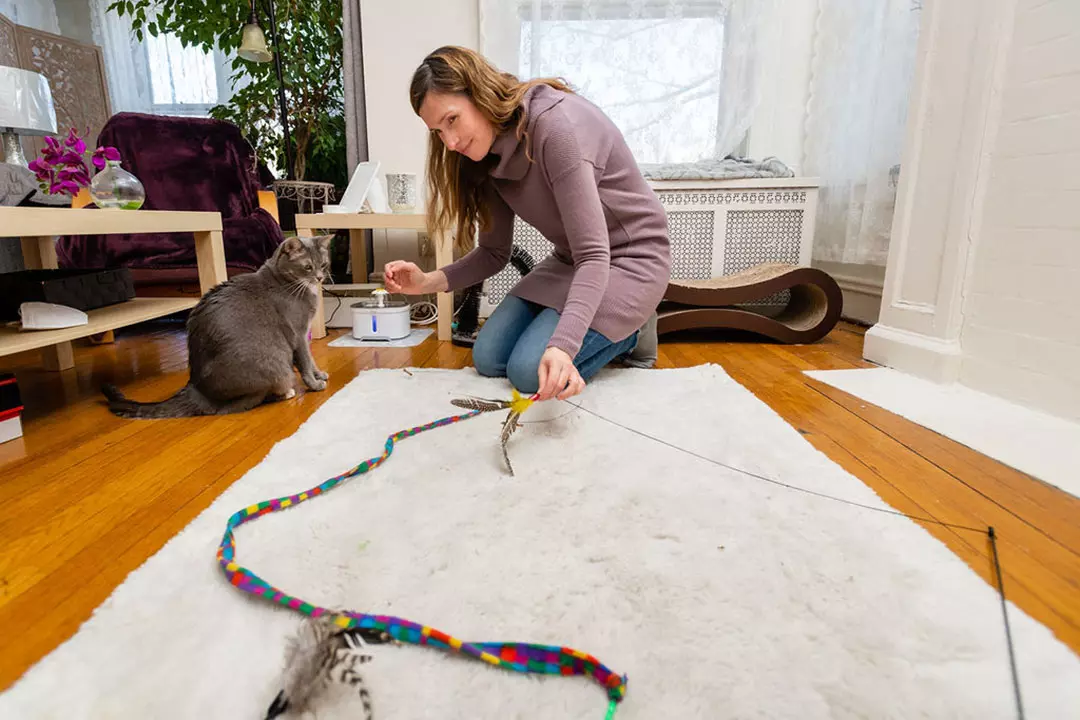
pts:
[115, 187]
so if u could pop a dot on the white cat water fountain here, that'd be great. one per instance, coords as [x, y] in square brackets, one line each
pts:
[378, 318]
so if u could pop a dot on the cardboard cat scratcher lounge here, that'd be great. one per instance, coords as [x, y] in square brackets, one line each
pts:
[813, 305]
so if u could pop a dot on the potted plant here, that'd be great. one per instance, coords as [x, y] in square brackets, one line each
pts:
[311, 56]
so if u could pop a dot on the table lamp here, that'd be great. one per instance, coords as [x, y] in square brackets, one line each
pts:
[30, 110]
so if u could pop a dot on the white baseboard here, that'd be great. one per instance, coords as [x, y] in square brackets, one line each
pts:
[912, 353]
[861, 286]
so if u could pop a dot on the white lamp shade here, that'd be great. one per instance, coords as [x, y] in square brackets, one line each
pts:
[27, 106]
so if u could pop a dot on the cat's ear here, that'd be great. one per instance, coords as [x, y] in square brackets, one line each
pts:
[323, 242]
[293, 247]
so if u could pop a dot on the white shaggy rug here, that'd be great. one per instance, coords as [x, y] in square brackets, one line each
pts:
[1041, 445]
[719, 595]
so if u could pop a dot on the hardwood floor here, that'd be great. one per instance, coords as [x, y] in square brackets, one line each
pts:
[86, 497]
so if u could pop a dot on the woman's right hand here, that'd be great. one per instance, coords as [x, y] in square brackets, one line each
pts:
[401, 276]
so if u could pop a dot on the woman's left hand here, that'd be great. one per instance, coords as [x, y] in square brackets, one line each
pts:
[558, 376]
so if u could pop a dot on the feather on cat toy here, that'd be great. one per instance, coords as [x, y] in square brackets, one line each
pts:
[517, 406]
[301, 674]
[322, 652]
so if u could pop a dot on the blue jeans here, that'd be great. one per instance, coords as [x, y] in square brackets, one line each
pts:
[516, 335]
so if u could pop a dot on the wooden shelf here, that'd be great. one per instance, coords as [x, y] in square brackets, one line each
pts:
[362, 221]
[27, 222]
[14, 340]
[36, 228]
[345, 287]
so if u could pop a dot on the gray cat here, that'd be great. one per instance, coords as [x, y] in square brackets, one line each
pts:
[245, 336]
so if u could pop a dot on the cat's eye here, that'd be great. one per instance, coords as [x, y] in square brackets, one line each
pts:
[307, 266]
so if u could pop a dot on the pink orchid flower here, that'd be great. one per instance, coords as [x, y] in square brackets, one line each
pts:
[62, 167]
[102, 154]
[52, 150]
[75, 142]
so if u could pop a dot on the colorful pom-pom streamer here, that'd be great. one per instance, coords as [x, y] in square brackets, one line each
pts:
[520, 657]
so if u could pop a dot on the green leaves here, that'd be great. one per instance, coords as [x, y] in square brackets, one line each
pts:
[311, 64]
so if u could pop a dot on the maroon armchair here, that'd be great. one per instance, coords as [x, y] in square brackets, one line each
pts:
[184, 164]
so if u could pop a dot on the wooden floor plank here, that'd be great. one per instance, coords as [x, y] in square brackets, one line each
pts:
[449, 357]
[85, 497]
[1042, 506]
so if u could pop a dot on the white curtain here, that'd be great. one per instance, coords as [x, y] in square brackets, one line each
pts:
[181, 75]
[126, 67]
[861, 72]
[678, 77]
[157, 75]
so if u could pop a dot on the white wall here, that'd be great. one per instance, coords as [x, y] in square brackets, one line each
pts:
[74, 20]
[38, 14]
[70, 18]
[397, 36]
[1021, 329]
[985, 254]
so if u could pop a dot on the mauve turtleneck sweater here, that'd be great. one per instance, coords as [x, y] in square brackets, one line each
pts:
[584, 192]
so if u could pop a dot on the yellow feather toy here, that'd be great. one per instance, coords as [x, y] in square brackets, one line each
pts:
[517, 405]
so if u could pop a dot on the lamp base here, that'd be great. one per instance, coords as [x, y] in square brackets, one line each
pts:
[13, 152]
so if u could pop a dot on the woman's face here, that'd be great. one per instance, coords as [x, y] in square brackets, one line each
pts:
[456, 120]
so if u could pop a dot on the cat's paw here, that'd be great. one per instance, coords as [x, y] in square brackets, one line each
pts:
[314, 383]
[289, 395]
[321, 375]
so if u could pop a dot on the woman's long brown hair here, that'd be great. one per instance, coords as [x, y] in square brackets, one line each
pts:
[455, 183]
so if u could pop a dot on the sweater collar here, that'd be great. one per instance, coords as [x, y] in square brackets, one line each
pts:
[513, 161]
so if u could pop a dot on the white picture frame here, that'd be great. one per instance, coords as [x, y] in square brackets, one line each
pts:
[364, 193]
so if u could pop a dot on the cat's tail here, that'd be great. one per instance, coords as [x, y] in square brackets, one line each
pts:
[187, 402]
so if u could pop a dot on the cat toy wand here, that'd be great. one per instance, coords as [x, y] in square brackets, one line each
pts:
[520, 657]
[517, 406]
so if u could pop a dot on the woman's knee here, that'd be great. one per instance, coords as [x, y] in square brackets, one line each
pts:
[523, 370]
[500, 334]
[488, 356]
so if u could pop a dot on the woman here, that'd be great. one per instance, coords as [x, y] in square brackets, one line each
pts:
[501, 147]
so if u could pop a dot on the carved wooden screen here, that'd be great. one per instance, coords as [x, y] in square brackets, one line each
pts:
[76, 75]
[9, 50]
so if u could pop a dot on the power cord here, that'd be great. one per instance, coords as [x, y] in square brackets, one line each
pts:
[338, 297]
[424, 312]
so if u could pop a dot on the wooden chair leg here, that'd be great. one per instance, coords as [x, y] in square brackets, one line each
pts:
[58, 357]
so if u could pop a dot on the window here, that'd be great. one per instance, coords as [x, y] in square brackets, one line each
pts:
[653, 67]
[184, 81]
